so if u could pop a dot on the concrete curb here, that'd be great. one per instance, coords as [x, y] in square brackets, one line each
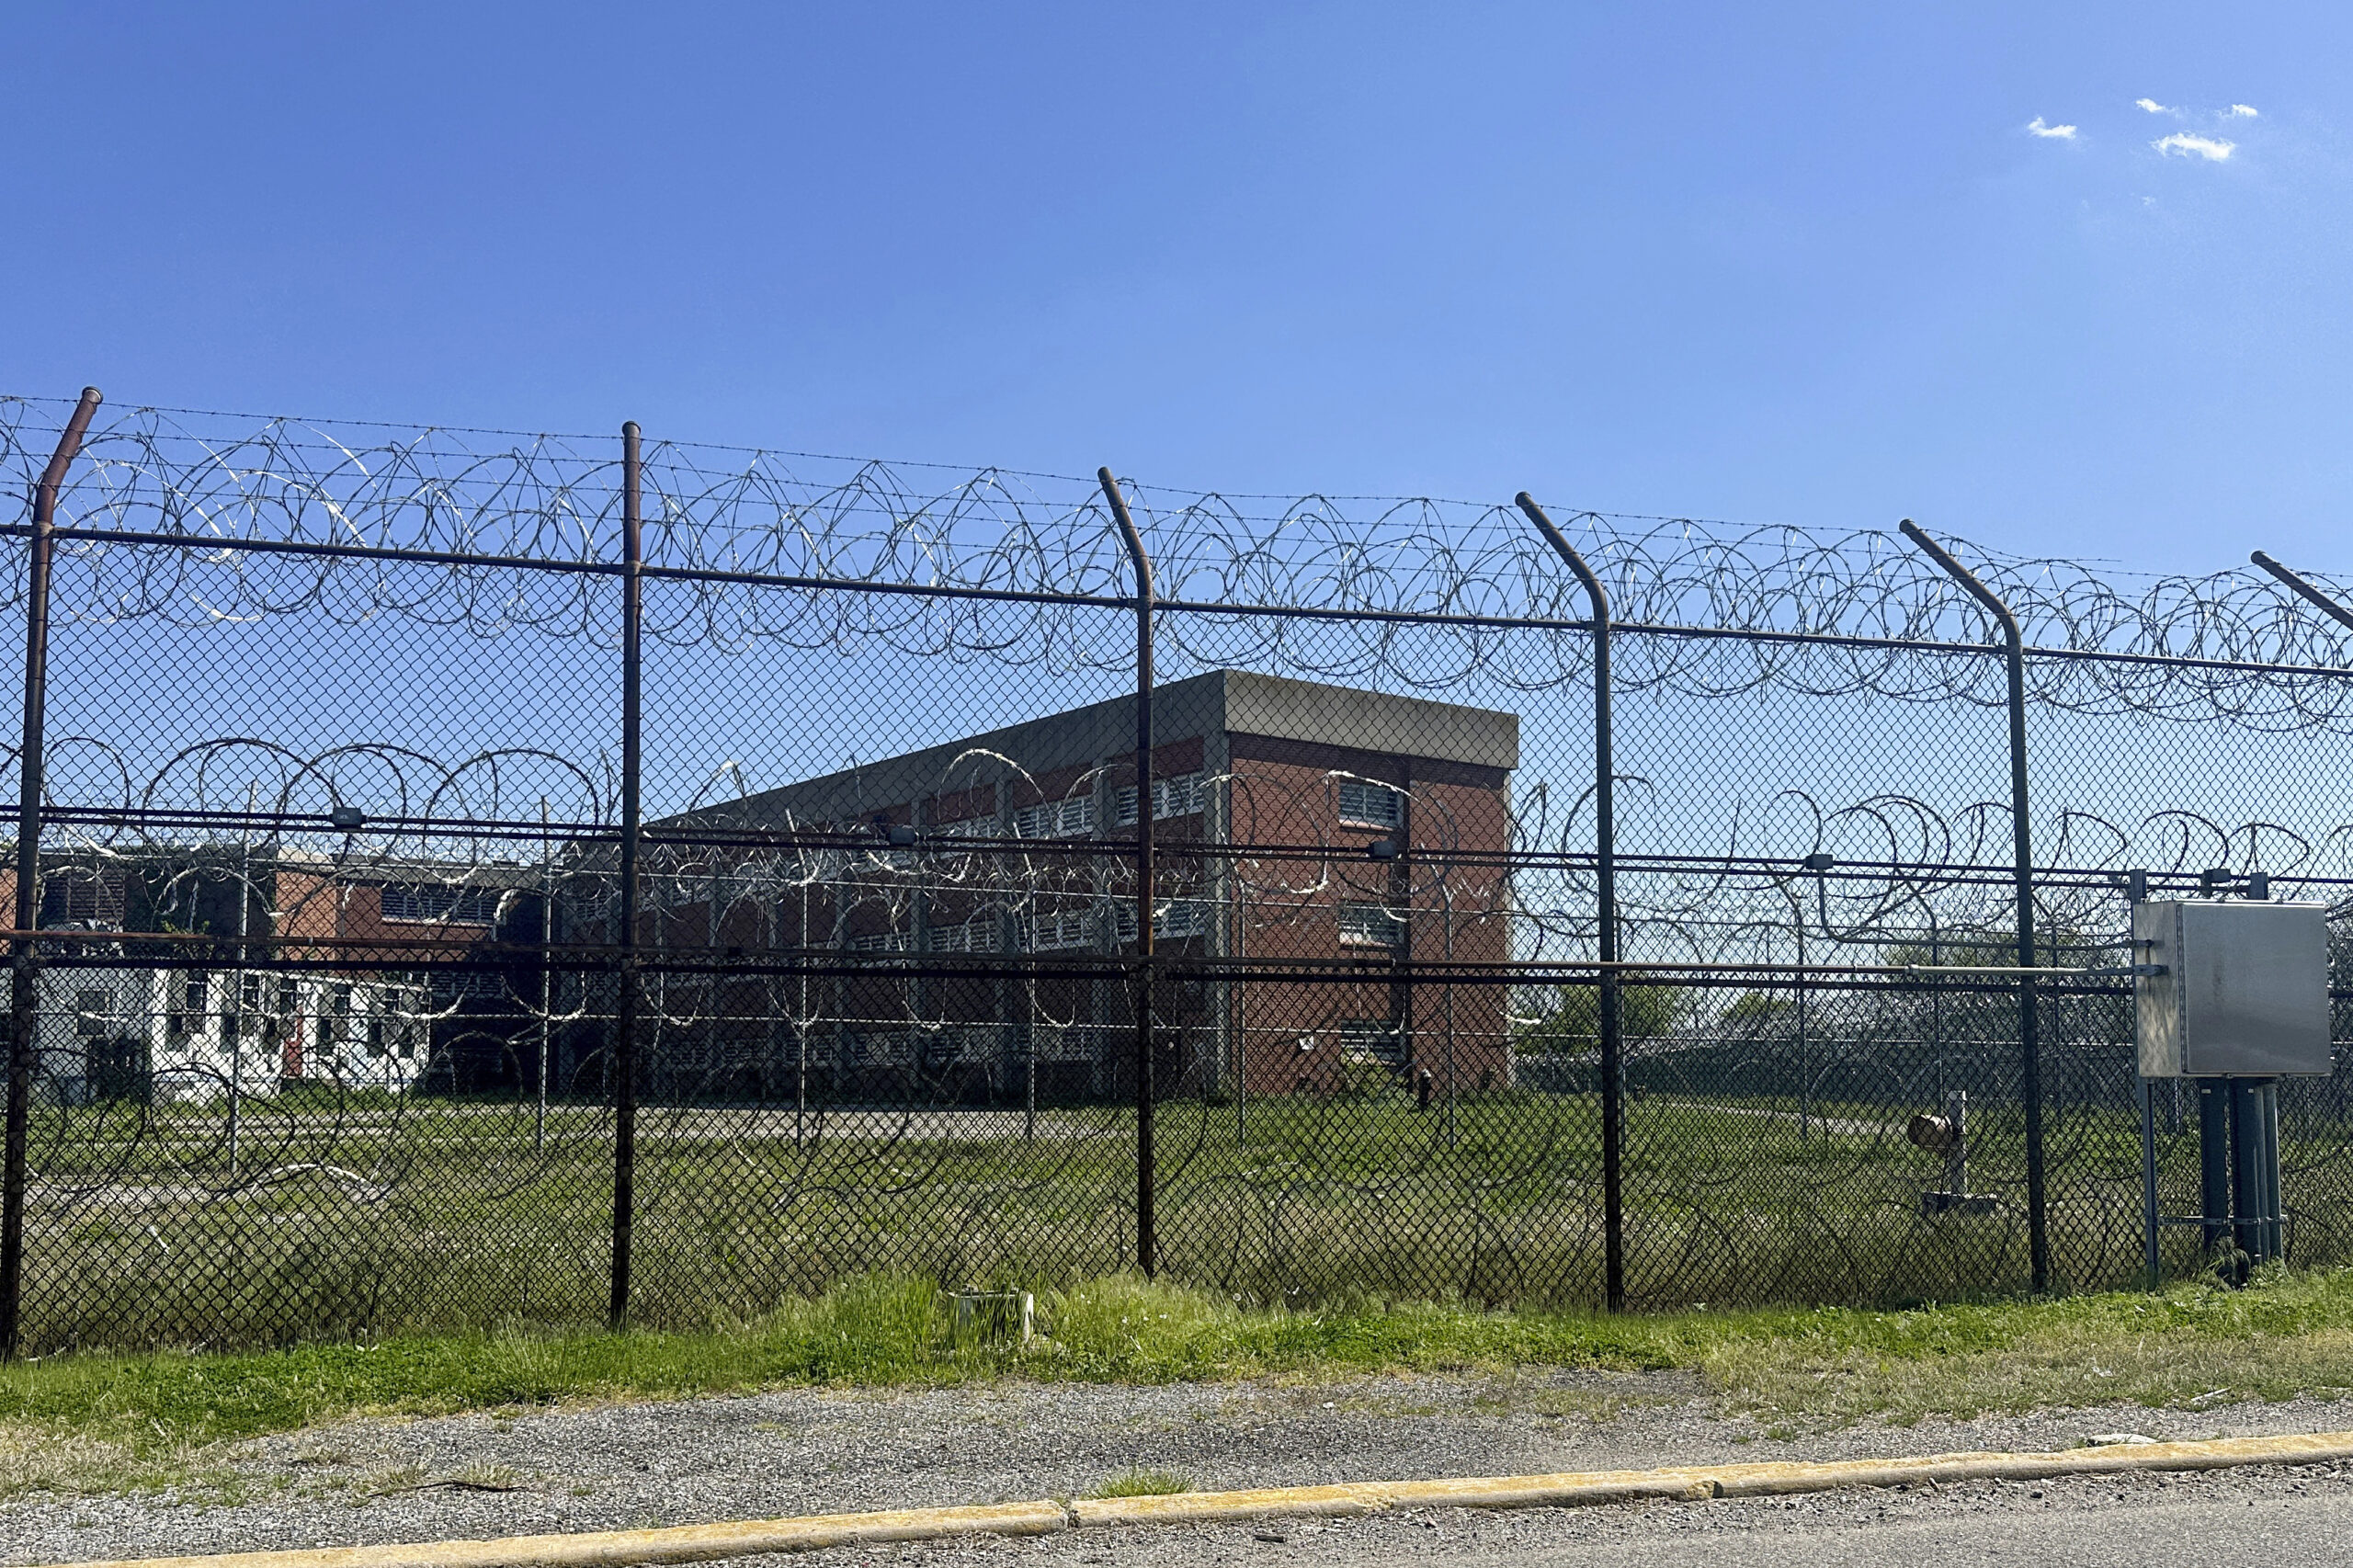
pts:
[703, 1543]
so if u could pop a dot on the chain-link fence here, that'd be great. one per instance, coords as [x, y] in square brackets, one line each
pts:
[466, 877]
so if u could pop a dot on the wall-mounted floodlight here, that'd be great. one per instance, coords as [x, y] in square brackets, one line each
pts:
[348, 817]
[1381, 849]
[897, 835]
[1818, 861]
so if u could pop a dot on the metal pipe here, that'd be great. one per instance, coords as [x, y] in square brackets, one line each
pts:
[2150, 1220]
[1147, 1248]
[547, 975]
[233, 1023]
[2214, 1163]
[1613, 1066]
[23, 986]
[625, 1004]
[2305, 590]
[2022, 840]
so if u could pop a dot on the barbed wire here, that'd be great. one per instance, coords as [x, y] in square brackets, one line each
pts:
[708, 509]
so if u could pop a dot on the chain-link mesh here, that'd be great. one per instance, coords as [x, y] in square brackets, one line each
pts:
[345, 1016]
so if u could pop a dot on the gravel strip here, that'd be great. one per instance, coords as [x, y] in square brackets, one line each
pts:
[800, 1451]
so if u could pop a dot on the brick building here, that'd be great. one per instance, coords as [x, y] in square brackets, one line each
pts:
[1268, 797]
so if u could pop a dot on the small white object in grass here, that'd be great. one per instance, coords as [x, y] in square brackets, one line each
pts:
[2103, 1440]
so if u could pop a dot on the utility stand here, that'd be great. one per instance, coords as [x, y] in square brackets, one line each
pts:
[1948, 1136]
[2233, 996]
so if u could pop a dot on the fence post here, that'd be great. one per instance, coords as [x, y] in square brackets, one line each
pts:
[1147, 1239]
[2029, 1034]
[2304, 590]
[1604, 832]
[625, 961]
[23, 989]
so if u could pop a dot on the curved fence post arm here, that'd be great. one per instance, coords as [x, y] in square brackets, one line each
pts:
[23, 988]
[2030, 1035]
[1147, 1246]
[1604, 832]
[2304, 590]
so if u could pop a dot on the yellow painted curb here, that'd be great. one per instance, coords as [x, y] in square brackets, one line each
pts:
[702, 1543]
[1585, 1489]
[683, 1543]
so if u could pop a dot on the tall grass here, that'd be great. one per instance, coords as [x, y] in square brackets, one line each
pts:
[459, 1224]
[2195, 1344]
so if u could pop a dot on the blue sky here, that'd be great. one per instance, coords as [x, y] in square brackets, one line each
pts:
[1791, 264]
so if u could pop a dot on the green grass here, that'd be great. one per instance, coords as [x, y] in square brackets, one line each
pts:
[101, 1421]
[448, 1219]
[1143, 1484]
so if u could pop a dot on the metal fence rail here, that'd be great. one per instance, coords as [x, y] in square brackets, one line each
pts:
[464, 877]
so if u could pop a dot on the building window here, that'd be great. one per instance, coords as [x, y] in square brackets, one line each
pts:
[1182, 917]
[1177, 797]
[1074, 818]
[1364, 804]
[89, 1014]
[1057, 929]
[73, 895]
[334, 1026]
[970, 827]
[1371, 925]
[882, 942]
[977, 935]
[1177, 918]
[192, 995]
[1373, 1039]
[438, 902]
[447, 985]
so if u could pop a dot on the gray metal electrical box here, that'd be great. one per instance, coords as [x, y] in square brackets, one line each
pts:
[2245, 992]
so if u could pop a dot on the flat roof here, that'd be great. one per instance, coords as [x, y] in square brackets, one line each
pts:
[1222, 702]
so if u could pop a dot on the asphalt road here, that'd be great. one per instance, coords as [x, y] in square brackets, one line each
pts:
[799, 1452]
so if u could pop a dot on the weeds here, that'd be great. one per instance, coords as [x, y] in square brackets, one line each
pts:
[111, 1422]
[1143, 1484]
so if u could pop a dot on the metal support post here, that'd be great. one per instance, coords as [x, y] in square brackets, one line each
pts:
[2304, 590]
[23, 988]
[23, 1056]
[547, 973]
[1613, 1067]
[1957, 1152]
[2255, 1160]
[2022, 840]
[2214, 1162]
[2150, 1220]
[1147, 1248]
[625, 1005]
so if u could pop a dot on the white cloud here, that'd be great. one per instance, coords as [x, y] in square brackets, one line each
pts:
[2035, 128]
[2241, 111]
[2181, 145]
[2150, 105]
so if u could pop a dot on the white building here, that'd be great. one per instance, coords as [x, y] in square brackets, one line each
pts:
[201, 1035]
